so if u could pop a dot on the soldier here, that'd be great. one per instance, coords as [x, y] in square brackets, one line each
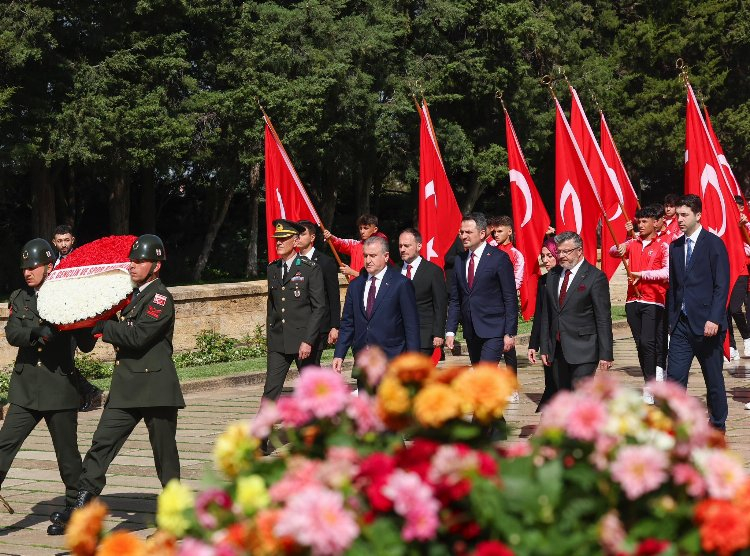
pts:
[297, 310]
[43, 385]
[145, 384]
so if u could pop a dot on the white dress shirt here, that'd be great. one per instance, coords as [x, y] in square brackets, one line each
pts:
[573, 272]
[368, 285]
[477, 256]
[309, 254]
[692, 237]
[414, 264]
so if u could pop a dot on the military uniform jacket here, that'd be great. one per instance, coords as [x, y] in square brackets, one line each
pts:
[297, 309]
[145, 375]
[44, 377]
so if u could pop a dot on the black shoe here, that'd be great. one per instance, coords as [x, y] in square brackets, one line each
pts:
[61, 516]
[55, 529]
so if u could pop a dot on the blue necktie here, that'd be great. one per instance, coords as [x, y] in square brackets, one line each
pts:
[689, 251]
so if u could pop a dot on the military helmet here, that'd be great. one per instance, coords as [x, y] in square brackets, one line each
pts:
[36, 252]
[148, 247]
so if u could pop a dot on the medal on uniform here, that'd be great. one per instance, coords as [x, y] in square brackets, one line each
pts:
[296, 293]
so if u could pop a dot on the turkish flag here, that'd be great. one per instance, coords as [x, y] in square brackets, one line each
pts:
[439, 215]
[705, 177]
[578, 207]
[616, 169]
[728, 174]
[609, 189]
[285, 195]
[530, 218]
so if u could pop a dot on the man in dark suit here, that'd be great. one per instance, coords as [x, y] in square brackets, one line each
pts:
[329, 333]
[380, 308]
[296, 308]
[144, 384]
[697, 305]
[576, 330]
[429, 286]
[482, 295]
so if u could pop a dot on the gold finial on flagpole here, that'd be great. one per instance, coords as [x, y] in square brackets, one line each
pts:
[499, 96]
[561, 71]
[683, 69]
[548, 81]
[596, 102]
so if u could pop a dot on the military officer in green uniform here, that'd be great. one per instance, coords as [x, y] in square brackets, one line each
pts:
[43, 384]
[296, 308]
[144, 384]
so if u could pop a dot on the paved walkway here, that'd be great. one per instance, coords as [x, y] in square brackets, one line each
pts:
[33, 486]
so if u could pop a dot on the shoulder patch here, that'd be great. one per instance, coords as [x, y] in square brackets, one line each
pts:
[160, 299]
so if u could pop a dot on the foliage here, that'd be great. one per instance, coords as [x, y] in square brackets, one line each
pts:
[92, 368]
[213, 347]
[604, 473]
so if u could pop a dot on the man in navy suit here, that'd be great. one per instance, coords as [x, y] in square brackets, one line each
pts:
[697, 306]
[380, 308]
[482, 295]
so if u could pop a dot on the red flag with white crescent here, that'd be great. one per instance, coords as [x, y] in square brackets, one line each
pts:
[616, 168]
[706, 177]
[439, 215]
[530, 218]
[733, 184]
[285, 195]
[578, 207]
[607, 185]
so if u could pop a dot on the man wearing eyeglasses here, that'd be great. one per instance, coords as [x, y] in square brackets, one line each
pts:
[576, 319]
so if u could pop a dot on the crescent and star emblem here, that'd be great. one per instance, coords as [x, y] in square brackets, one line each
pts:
[520, 181]
[429, 191]
[430, 251]
[569, 191]
[281, 204]
[618, 191]
[710, 177]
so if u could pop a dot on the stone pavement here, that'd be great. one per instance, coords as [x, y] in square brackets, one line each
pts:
[34, 489]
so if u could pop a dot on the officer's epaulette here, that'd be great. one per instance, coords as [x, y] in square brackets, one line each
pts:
[306, 261]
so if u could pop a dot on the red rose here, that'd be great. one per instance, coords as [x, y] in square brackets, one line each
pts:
[376, 465]
[374, 493]
[487, 465]
[492, 548]
[651, 547]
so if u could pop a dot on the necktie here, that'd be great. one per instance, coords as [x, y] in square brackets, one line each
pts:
[371, 298]
[408, 271]
[564, 288]
[689, 243]
[470, 274]
[283, 271]
[136, 293]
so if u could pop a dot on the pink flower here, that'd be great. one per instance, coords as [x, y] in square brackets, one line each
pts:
[686, 474]
[586, 419]
[373, 362]
[601, 386]
[612, 534]
[316, 517]
[723, 472]
[518, 449]
[267, 417]
[556, 412]
[450, 465]
[362, 409]
[639, 469]
[301, 473]
[194, 547]
[339, 468]
[213, 499]
[321, 392]
[291, 412]
[603, 446]
[413, 499]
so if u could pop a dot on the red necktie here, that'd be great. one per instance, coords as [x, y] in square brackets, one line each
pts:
[470, 276]
[371, 298]
[408, 271]
[564, 288]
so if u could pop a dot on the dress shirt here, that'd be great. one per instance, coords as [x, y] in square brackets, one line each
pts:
[309, 254]
[368, 284]
[414, 264]
[692, 237]
[573, 272]
[477, 256]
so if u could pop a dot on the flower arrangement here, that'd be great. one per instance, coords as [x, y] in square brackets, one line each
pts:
[90, 284]
[604, 473]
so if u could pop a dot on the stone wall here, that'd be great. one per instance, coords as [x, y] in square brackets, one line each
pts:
[232, 309]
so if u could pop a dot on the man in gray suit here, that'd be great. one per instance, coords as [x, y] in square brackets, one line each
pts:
[576, 329]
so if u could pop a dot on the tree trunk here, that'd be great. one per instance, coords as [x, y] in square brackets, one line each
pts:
[65, 198]
[472, 196]
[218, 214]
[148, 201]
[251, 270]
[362, 187]
[42, 201]
[119, 203]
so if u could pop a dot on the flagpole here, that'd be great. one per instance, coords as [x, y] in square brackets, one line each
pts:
[294, 171]
[547, 80]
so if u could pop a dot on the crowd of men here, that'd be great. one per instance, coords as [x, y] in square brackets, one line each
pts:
[678, 287]
[45, 383]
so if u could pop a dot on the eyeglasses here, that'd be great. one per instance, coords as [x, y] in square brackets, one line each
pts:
[567, 252]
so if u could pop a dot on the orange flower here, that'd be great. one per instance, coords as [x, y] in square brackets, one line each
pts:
[84, 527]
[485, 390]
[446, 376]
[393, 398]
[121, 543]
[435, 404]
[411, 367]
[261, 539]
[742, 501]
[723, 528]
[161, 543]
